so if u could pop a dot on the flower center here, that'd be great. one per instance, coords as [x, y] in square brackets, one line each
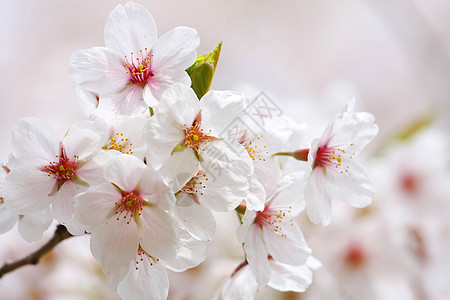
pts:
[332, 157]
[63, 169]
[130, 206]
[195, 186]
[194, 136]
[138, 66]
[120, 143]
[273, 219]
[255, 152]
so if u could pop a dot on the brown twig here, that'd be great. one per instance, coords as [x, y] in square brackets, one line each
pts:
[61, 234]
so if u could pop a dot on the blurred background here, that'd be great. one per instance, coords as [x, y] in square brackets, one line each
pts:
[309, 57]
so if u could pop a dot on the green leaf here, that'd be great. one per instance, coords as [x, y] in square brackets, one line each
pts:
[202, 71]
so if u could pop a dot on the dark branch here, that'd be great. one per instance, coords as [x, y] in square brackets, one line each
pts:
[61, 234]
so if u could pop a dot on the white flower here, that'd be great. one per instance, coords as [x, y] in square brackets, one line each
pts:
[50, 171]
[146, 277]
[186, 133]
[334, 171]
[127, 211]
[273, 231]
[261, 141]
[135, 67]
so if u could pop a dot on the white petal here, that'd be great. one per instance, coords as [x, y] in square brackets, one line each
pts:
[257, 255]
[62, 206]
[91, 173]
[220, 110]
[197, 220]
[267, 172]
[87, 100]
[162, 134]
[7, 219]
[224, 199]
[125, 171]
[96, 204]
[240, 286]
[318, 201]
[221, 156]
[222, 191]
[115, 243]
[256, 196]
[149, 281]
[153, 189]
[247, 221]
[27, 190]
[287, 194]
[130, 28]
[32, 226]
[175, 51]
[81, 141]
[181, 102]
[190, 254]
[352, 187]
[287, 244]
[98, 70]
[34, 142]
[157, 233]
[289, 278]
[179, 169]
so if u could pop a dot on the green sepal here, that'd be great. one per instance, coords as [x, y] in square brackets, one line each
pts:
[202, 71]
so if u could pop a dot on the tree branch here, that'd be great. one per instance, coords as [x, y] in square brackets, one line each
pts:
[61, 234]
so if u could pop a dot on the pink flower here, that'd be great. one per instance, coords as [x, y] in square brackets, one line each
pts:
[135, 67]
[49, 171]
[334, 170]
[127, 211]
[273, 231]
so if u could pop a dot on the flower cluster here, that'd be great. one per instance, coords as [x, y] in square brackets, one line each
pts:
[158, 157]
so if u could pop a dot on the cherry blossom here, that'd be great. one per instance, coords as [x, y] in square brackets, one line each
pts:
[135, 67]
[126, 211]
[187, 135]
[334, 171]
[146, 277]
[273, 231]
[48, 171]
